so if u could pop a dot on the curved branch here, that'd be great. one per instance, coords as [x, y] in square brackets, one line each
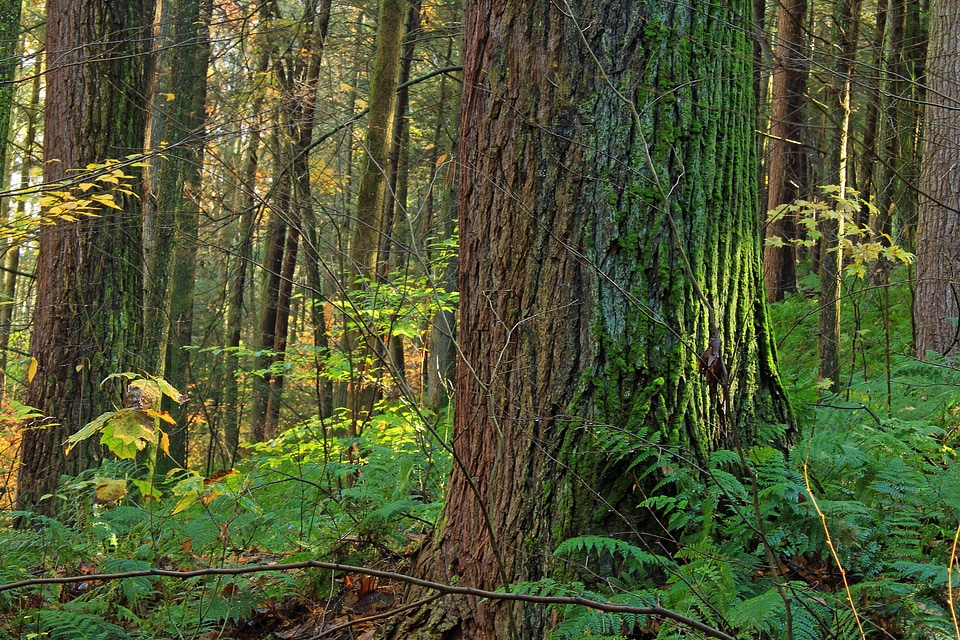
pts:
[606, 607]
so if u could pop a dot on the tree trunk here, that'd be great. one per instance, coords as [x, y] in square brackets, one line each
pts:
[832, 229]
[440, 359]
[577, 325]
[274, 242]
[9, 39]
[787, 174]
[869, 168]
[936, 307]
[304, 199]
[895, 118]
[363, 343]
[395, 202]
[238, 285]
[180, 196]
[11, 261]
[86, 319]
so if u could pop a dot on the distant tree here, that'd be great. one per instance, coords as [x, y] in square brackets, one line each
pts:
[86, 322]
[11, 261]
[179, 193]
[838, 167]
[580, 324]
[936, 306]
[291, 216]
[9, 39]
[371, 192]
[787, 164]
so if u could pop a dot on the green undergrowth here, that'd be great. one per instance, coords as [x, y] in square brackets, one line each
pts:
[851, 528]
[307, 495]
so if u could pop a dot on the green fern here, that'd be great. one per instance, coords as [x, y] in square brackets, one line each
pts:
[66, 624]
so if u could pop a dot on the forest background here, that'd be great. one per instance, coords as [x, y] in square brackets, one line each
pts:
[566, 319]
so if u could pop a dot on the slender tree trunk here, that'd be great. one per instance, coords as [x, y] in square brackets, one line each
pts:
[869, 169]
[157, 227]
[88, 310]
[936, 304]
[787, 174]
[363, 344]
[304, 199]
[832, 229]
[274, 242]
[298, 78]
[238, 285]
[179, 198]
[9, 40]
[395, 202]
[11, 261]
[440, 359]
[578, 327]
[291, 248]
[894, 118]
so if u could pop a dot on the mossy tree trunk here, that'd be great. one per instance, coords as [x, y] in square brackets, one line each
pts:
[86, 322]
[362, 341]
[936, 307]
[179, 198]
[578, 324]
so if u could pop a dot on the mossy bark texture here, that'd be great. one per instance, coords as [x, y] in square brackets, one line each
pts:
[86, 322]
[580, 324]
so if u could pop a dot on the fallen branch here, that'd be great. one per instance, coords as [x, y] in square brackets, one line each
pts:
[606, 607]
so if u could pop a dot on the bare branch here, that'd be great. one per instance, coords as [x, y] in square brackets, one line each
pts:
[606, 607]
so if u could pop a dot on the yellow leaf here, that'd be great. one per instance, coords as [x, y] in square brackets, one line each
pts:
[32, 367]
[111, 490]
[107, 201]
[164, 443]
[441, 159]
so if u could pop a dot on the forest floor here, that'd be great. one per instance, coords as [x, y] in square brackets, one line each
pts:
[355, 613]
[349, 616]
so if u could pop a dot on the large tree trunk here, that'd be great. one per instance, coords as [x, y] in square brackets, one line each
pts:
[936, 307]
[86, 319]
[787, 174]
[577, 324]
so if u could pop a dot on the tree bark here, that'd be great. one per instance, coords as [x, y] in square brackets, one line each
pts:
[937, 298]
[787, 173]
[87, 316]
[578, 327]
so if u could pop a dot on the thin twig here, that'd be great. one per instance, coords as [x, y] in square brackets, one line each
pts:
[953, 558]
[833, 551]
